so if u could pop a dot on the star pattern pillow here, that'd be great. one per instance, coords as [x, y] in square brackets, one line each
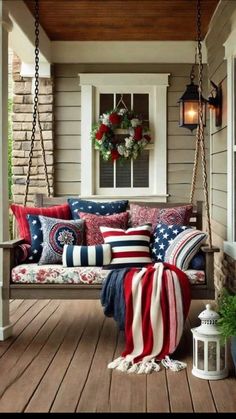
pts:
[163, 236]
[36, 233]
[97, 208]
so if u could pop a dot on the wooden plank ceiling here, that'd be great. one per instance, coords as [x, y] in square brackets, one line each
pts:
[124, 20]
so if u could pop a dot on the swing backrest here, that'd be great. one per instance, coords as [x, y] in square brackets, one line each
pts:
[196, 219]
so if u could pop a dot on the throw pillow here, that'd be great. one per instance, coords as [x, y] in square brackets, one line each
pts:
[163, 236]
[20, 212]
[130, 247]
[86, 255]
[98, 208]
[57, 233]
[184, 247]
[176, 215]
[93, 223]
[198, 263]
[140, 215]
[36, 233]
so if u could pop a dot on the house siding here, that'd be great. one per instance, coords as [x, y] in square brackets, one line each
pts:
[217, 67]
[181, 142]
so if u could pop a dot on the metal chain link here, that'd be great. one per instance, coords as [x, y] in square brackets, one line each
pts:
[200, 141]
[36, 113]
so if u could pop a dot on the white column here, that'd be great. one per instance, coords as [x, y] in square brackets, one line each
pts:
[5, 328]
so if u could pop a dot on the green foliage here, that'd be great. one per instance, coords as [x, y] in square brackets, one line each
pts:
[227, 312]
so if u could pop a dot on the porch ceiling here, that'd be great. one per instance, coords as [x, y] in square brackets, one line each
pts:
[124, 20]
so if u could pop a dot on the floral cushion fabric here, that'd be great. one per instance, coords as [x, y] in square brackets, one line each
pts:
[57, 233]
[93, 235]
[33, 273]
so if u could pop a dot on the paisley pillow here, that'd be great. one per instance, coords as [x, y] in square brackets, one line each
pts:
[57, 233]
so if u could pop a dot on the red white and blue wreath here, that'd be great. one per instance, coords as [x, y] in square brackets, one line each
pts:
[104, 136]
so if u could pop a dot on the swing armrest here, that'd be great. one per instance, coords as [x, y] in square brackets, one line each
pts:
[207, 249]
[11, 244]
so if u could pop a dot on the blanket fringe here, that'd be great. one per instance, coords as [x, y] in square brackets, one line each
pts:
[121, 364]
[173, 364]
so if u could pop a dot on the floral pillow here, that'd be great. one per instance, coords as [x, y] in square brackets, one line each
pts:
[92, 222]
[57, 233]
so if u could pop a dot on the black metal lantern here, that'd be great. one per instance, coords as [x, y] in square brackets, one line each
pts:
[189, 106]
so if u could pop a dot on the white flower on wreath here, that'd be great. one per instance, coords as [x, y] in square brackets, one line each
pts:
[121, 149]
[135, 122]
[129, 142]
[122, 111]
[105, 119]
[127, 153]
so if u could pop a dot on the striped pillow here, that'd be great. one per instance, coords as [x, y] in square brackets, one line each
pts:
[130, 247]
[99, 255]
[184, 247]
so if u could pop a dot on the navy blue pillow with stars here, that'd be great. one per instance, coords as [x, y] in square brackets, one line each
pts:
[163, 236]
[36, 234]
[98, 208]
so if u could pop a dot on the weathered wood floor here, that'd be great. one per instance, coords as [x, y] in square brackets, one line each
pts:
[57, 362]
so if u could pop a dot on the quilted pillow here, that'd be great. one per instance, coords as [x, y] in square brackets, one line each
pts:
[93, 223]
[184, 247]
[57, 233]
[176, 215]
[140, 215]
[163, 236]
[20, 213]
[99, 255]
[130, 247]
[98, 208]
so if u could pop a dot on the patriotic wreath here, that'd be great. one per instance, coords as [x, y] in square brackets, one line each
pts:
[104, 136]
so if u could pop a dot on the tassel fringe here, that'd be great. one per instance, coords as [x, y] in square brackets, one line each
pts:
[148, 367]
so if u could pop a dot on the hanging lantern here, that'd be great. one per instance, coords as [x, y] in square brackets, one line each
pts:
[209, 356]
[189, 106]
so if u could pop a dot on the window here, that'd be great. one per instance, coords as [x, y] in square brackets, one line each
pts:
[146, 95]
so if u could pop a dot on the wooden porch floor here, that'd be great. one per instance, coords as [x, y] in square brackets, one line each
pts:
[57, 359]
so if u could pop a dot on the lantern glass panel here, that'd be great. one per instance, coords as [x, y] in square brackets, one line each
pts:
[212, 356]
[191, 113]
[222, 357]
[200, 355]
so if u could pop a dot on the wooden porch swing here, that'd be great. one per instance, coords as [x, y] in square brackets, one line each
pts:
[69, 291]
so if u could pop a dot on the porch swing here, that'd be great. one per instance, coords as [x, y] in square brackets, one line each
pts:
[82, 291]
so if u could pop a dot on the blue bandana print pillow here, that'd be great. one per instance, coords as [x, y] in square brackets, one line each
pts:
[57, 233]
[98, 208]
[36, 238]
[163, 236]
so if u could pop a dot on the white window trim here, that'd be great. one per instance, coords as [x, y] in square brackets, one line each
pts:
[230, 55]
[90, 84]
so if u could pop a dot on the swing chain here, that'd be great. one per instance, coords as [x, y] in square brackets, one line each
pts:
[200, 141]
[36, 117]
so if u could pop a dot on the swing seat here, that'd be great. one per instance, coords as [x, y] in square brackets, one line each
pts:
[31, 281]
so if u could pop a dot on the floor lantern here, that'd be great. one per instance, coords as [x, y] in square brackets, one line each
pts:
[209, 355]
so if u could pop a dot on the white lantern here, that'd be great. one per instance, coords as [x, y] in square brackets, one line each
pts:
[209, 356]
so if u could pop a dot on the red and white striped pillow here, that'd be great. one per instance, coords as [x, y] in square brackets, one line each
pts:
[129, 247]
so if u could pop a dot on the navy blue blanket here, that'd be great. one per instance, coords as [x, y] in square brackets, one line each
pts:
[112, 296]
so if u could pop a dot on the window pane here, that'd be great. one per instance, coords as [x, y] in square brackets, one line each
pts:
[211, 356]
[126, 100]
[123, 174]
[106, 102]
[106, 173]
[141, 106]
[141, 170]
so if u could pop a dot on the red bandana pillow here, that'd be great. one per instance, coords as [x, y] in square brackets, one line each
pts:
[93, 235]
[20, 212]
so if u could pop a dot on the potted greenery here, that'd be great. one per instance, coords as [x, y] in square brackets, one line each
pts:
[227, 320]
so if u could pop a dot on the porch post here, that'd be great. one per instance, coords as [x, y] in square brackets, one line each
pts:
[5, 327]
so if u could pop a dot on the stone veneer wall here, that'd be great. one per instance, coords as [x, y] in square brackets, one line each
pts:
[22, 125]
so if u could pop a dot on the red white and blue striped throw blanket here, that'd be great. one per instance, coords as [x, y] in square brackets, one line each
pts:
[157, 300]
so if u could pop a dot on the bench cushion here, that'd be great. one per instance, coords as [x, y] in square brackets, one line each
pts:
[55, 274]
